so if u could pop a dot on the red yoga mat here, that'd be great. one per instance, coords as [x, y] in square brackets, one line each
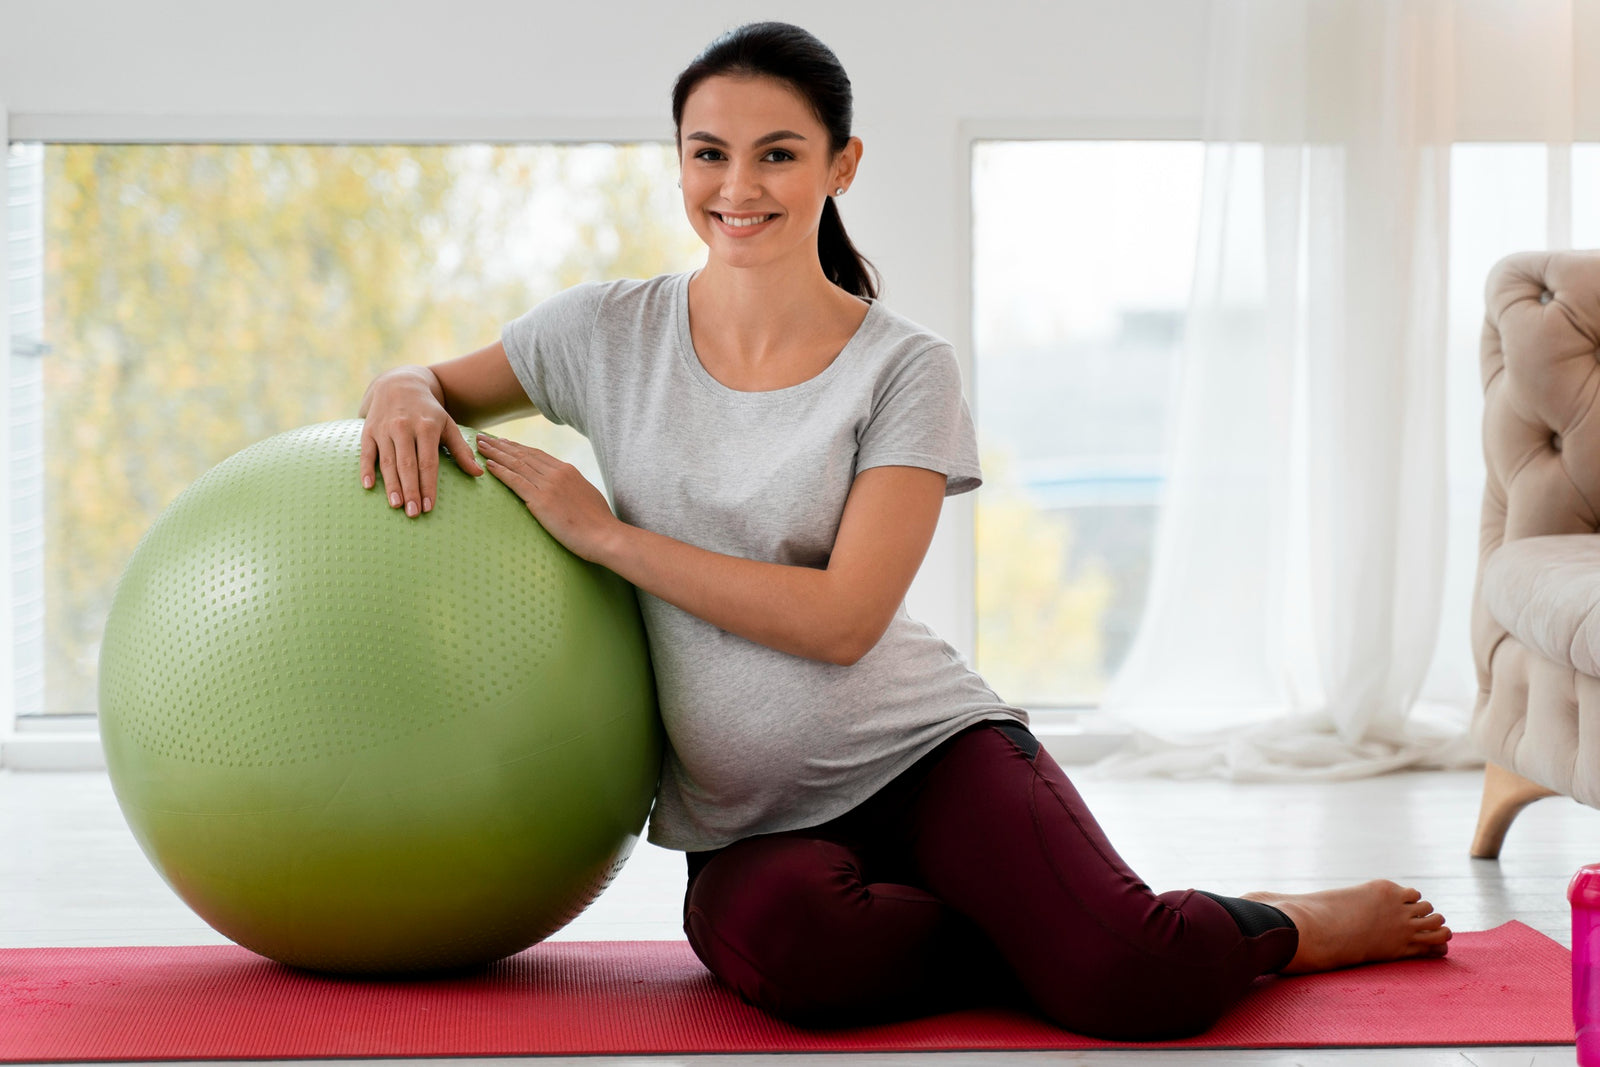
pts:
[1510, 985]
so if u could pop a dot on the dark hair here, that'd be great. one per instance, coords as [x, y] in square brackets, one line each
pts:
[790, 54]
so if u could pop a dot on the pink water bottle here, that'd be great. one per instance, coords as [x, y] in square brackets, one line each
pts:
[1583, 892]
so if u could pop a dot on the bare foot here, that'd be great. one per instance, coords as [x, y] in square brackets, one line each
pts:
[1364, 923]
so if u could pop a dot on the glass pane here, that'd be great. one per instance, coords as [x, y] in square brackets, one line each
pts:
[1585, 204]
[198, 298]
[1083, 254]
[1066, 396]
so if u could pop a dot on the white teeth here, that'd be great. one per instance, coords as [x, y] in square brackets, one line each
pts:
[745, 222]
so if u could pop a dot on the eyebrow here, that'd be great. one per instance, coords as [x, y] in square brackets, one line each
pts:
[776, 135]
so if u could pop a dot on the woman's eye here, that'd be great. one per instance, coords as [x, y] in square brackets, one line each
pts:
[776, 155]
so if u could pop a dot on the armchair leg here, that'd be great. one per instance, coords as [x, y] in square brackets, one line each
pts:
[1504, 795]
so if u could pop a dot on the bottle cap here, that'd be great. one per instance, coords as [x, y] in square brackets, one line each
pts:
[1584, 889]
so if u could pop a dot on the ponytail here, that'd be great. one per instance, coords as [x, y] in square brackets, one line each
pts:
[841, 262]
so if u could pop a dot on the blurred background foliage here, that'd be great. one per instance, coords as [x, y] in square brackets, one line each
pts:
[200, 298]
[1041, 621]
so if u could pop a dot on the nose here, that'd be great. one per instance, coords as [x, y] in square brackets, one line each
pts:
[740, 183]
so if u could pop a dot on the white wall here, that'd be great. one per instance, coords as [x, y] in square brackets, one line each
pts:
[929, 76]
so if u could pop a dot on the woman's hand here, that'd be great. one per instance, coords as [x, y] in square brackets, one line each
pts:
[405, 424]
[573, 511]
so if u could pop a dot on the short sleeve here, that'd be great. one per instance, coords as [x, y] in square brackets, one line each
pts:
[548, 347]
[920, 419]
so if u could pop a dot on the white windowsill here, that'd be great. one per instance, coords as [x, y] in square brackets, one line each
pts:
[1077, 736]
[53, 743]
[72, 742]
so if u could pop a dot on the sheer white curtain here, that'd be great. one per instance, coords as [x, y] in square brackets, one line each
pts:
[1296, 589]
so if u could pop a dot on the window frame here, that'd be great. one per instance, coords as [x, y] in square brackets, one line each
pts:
[952, 557]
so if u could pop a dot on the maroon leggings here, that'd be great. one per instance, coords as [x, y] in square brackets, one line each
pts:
[976, 877]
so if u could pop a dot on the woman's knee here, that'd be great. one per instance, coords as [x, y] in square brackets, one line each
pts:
[758, 891]
[762, 916]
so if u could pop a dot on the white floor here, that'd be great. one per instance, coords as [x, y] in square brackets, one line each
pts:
[71, 874]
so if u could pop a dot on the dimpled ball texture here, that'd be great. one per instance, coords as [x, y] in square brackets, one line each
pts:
[358, 742]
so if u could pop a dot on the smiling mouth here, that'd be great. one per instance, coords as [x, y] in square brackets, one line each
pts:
[750, 220]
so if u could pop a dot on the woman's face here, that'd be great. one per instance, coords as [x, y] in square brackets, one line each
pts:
[757, 168]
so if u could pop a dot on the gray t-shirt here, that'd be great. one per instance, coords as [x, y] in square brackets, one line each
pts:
[761, 740]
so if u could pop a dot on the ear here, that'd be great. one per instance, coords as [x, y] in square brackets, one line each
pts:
[845, 164]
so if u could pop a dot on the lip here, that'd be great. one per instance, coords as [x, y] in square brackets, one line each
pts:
[742, 231]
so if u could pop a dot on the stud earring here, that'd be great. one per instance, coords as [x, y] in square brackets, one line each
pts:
[839, 191]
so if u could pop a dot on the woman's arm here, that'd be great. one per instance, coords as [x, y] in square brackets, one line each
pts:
[835, 615]
[481, 389]
[410, 411]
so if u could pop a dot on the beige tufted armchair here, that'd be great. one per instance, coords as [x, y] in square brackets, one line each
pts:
[1536, 606]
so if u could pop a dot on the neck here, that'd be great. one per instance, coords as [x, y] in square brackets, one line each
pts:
[758, 308]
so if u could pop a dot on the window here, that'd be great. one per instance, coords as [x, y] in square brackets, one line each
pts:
[1082, 258]
[176, 303]
[1083, 254]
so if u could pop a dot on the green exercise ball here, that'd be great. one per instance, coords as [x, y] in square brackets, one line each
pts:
[358, 742]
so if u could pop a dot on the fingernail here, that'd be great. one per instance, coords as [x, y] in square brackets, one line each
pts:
[411, 508]
[394, 500]
[427, 503]
[366, 483]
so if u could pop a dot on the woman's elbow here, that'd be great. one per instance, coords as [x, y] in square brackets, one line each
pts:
[850, 645]
[845, 656]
